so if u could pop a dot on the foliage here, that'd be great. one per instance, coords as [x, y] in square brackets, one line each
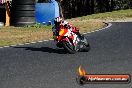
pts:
[38, 25]
[75, 8]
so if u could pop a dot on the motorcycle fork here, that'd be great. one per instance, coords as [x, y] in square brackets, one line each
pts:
[69, 41]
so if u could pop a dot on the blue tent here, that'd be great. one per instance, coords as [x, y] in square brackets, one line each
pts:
[46, 12]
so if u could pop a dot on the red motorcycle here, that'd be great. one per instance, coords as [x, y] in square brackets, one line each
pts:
[71, 41]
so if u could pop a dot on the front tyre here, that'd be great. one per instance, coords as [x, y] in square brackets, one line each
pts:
[69, 48]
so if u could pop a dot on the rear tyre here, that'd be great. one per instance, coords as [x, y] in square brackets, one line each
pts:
[23, 21]
[69, 48]
[24, 2]
[24, 13]
[86, 48]
[86, 45]
[24, 7]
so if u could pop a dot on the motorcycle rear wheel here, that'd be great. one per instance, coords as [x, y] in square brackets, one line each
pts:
[86, 45]
[83, 45]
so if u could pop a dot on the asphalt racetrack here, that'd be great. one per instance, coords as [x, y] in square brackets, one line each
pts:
[42, 65]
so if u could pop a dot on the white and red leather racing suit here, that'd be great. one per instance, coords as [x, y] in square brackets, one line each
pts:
[64, 24]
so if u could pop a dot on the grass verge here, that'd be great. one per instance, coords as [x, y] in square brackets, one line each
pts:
[114, 15]
[17, 35]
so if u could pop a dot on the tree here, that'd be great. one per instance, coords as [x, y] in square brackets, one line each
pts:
[92, 6]
[107, 5]
[112, 5]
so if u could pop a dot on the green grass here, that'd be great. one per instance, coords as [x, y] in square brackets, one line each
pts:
[17, 35]
[114, 15]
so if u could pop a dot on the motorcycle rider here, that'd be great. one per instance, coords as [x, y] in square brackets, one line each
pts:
[58, 23]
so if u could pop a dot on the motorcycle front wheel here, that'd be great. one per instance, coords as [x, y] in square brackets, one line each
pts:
[68, 47]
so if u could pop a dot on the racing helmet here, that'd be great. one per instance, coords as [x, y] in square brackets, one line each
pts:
[57, 20]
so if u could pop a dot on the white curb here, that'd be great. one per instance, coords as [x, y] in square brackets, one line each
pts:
[27, 43]
[46, 40]
[21, 44]
[6, 46]
[13, 45]
[108, 25]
